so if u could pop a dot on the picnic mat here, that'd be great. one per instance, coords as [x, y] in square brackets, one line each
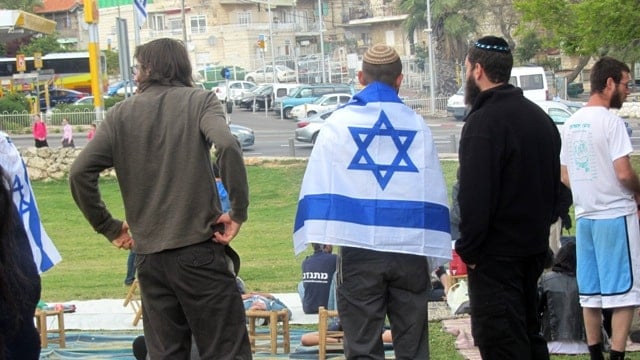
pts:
[461, 329]
[117, 345]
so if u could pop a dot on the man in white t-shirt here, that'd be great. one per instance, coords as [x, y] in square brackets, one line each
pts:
[595, 164]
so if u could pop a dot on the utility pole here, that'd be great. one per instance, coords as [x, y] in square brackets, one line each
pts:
[91, 17]
[431, 60]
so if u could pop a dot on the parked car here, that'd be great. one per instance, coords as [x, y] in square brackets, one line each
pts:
[235, 89]
[456, 106]
[87, 100]
[258, 99]
[305, 94]
[130, 89]
[112, 90]
[60, 96]
[283, 74]
[557, 110]
[244, 135]
[307, 129]
[321, 104]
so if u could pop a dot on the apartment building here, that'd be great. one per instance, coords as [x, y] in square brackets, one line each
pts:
[226, 32]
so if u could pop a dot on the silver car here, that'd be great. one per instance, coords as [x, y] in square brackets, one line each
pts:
[308, 128]
[244, 135]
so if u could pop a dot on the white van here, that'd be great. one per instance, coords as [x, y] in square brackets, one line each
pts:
[282, 90]
[531, 79]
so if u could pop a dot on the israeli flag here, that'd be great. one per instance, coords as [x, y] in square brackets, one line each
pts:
[141, 11]
[44, 251]
[374, 181]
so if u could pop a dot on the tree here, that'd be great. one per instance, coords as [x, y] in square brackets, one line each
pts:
[530, 46]
[452, 22]
[42, 44]
[585, 28]
[504, 16]
[26, 5]
[113, 63]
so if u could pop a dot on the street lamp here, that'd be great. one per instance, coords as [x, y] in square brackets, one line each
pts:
[431, 60]
[324, 80]
[273, 54]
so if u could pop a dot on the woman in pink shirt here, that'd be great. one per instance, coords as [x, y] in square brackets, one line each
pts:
[92, 132]
[39, 132]
[67, 134]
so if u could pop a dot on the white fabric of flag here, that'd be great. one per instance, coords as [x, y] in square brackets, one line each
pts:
[141, 11]
[374, 181]
[44, 251]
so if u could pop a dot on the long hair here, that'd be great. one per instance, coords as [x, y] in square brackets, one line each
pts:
[163, 62]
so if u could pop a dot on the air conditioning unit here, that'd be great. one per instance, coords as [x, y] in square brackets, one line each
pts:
[304, 43]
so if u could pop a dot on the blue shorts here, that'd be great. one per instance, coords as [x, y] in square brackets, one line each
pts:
[608, 254]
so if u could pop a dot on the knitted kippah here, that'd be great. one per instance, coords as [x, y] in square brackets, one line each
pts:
[380, 54]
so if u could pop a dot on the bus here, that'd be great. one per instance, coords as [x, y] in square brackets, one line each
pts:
[70, 70]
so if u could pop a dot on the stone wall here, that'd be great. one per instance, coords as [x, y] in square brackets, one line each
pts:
[630, 109]
[50, 163]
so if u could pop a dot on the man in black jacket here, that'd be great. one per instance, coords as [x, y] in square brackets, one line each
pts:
[509, 179]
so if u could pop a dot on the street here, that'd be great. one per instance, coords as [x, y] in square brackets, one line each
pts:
[275, 137]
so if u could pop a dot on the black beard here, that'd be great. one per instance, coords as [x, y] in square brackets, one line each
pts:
[471, 92]
[616, 99]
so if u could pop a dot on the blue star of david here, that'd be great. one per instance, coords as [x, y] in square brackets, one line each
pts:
[362, 160]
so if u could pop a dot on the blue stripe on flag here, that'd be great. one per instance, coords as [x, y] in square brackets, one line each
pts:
[373, 212]
[33, 225]
[141, 10]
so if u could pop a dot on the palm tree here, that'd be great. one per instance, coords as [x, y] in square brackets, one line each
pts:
[453, 22]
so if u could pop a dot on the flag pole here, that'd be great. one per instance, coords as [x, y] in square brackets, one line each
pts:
[139, 18]
[136, 25]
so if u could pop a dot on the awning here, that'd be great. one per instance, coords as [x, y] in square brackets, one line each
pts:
[16, 24]
[375, 20]
[266, 3]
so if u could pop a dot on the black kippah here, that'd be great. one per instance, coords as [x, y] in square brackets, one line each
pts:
[493, 43]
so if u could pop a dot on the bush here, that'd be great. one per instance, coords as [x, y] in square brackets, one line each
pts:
[14, 103]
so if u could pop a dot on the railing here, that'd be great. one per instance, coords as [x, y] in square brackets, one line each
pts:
[423, 106]
[20, 122]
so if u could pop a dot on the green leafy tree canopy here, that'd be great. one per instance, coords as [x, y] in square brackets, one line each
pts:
[43, 44]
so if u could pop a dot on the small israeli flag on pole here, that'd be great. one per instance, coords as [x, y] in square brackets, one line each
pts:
[141, 11]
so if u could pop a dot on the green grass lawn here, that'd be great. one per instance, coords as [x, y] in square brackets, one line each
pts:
[91, 268]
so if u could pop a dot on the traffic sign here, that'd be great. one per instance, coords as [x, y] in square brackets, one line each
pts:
[37, 60]
[21, 63]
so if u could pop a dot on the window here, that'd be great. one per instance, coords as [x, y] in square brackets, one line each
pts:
[175, 25]
[331, 101]
[390, 37]
[156, 22]
[531, 82]
[559, 116]
[244, 18]
[198, 24]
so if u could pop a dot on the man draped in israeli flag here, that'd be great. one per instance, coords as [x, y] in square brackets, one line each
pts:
[374, 186]
[44, 251]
